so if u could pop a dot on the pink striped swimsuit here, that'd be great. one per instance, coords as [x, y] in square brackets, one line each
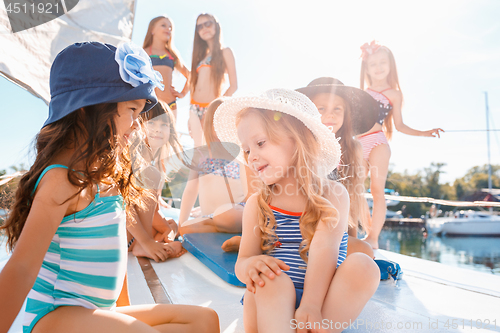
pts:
[374, 139]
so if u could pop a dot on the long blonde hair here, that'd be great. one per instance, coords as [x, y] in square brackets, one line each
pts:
[305, 161]
[200, 51]
[169, 45]
[392, 80]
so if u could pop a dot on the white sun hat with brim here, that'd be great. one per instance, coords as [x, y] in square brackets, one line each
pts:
[287, 101]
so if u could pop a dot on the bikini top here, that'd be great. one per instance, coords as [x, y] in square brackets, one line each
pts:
[384, 103]
[163, 60]
[204, 63]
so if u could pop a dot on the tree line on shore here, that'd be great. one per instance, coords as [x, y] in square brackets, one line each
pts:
[424, 183]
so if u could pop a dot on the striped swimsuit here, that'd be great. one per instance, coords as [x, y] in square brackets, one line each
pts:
[289, 237]
[86, 262]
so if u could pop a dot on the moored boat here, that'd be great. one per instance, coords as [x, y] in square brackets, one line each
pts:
[465, 223]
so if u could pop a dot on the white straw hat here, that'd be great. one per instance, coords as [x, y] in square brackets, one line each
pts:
[283, 100]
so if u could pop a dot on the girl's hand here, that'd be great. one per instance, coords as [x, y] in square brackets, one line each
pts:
[174, 229]
[309, 314]
[433, 132]
[157, 251]
[262, 264]
[196, 212]
[175, 93]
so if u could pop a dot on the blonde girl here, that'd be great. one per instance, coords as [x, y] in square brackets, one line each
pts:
[159, 44]
[347, 111]
[67, 225]
[210, 62]
[152, 235]
[222, 184]
[293, 249]
[379, 74]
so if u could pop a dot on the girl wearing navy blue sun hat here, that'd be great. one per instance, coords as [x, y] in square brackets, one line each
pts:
[68, 221]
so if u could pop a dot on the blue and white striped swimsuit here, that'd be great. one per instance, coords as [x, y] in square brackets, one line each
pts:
[86, 262]
[289, 237]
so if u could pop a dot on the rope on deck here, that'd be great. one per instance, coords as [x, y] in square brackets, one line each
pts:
[439, 201]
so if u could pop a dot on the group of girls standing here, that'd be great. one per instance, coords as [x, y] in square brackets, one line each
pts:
[210, 63]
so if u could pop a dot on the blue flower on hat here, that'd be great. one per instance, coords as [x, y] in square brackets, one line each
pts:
[135, 66]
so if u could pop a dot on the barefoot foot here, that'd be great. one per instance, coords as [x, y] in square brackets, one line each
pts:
[175, 249]
[232, 244]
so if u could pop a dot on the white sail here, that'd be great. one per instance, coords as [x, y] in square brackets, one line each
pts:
[26, 56]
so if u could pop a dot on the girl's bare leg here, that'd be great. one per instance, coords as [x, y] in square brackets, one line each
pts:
[379, 166]
[357, 245]
[232, 244]
[250, 313]
[174, 250]
[275, 305]
[196, 129]
[174, 111]
[226, 219]
[353, 284]
[130, 319]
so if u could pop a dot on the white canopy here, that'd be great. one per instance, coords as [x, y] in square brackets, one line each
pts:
[26, 56]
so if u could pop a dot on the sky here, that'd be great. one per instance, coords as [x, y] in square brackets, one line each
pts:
[447, 54]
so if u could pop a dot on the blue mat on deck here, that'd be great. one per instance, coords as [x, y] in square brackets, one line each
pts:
[207, 248]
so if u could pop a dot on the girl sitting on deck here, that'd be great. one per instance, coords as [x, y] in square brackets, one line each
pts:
[347, 111]
[379, 72]
[152, 235]
[159, 44]
[210, 63]
[298, 220]
[222, 184]
[67, 225]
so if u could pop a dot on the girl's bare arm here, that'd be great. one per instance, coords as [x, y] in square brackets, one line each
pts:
[189, 196]
[231, 71]
[397, 100]
[251, 262]
[184, 71]
[324, 251]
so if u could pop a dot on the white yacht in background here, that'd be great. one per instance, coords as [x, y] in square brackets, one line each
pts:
[465, 223]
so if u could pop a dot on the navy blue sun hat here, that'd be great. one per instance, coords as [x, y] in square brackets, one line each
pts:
[364, 108]
[90, 73]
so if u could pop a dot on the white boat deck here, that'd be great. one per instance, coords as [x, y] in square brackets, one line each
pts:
[432, 297]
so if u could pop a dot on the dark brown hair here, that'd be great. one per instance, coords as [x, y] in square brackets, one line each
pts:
[351, 165]
[200, 51]
[90, 132]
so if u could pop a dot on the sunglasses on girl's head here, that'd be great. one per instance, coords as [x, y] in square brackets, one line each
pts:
[207, 24]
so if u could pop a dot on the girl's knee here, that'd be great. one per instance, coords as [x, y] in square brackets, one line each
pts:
[208, 320]
[357, 245]
[362, 270]
[280, 285]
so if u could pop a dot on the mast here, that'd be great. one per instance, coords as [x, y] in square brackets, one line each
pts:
[488, 144]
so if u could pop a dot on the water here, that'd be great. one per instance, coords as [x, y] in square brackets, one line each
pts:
[476, 253]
